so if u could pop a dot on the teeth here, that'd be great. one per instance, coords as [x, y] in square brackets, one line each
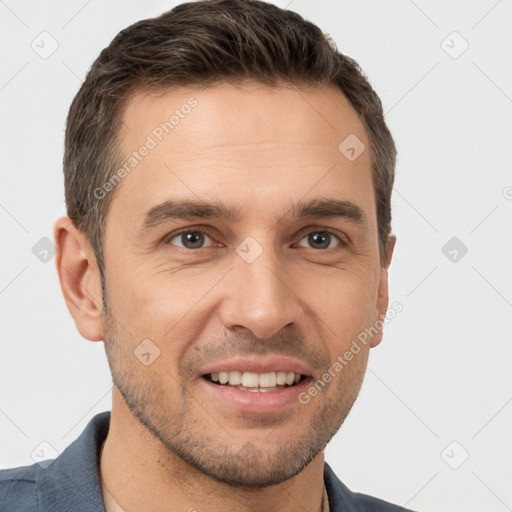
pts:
[235, 378]
[268, 380]
[256, 380]
[250, 380]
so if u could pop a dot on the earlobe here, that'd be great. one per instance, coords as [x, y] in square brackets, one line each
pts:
[383, 295]
[79, 278]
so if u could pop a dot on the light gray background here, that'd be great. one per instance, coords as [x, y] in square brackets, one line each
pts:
[442, 373]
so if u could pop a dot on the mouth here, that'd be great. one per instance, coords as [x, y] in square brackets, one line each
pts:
[255, 382]
[255, 385]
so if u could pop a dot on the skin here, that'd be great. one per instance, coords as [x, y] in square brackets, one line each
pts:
[170, 447]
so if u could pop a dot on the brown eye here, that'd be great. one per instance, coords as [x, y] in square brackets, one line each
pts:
[190, 239]
[320, 240]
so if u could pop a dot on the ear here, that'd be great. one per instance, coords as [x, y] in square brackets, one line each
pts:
[383, 296]
[79, 278]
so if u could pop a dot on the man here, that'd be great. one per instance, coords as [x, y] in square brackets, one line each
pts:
[228, 177]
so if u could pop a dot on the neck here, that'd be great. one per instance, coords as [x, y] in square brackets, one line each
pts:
[140, 474]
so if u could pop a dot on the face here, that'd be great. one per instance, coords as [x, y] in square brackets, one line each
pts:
[242, 246]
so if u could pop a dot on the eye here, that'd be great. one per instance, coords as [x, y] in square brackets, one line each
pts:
[189, 239]
[321, 240]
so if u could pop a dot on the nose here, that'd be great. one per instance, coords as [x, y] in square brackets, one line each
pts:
[259, 296]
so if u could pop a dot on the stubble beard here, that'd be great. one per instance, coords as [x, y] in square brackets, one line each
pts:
[200, 441]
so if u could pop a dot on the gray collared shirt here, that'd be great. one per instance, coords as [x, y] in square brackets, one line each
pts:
[70, 483]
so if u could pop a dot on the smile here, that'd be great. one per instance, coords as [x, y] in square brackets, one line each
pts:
[255, 382]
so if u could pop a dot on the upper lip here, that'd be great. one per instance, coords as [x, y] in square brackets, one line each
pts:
[258, 365]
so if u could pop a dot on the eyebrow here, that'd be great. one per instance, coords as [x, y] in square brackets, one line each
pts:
[189, 209]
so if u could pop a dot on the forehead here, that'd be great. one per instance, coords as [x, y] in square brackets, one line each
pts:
[245, 113]
[239, 145]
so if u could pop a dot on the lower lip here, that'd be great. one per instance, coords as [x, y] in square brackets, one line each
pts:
[255, 401]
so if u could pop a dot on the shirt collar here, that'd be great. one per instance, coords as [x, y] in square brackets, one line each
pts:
[71, 482]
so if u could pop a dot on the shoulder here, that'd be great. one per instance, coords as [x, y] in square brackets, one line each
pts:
[341, 498]
[18, 489]
[367, 503]
[69, 482]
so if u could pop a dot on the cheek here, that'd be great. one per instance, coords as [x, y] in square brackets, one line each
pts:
[159, 305]
[345, 302]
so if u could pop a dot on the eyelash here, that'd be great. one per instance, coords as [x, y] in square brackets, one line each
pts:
[167, 240]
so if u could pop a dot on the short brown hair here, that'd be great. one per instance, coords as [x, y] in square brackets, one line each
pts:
[204, 43]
